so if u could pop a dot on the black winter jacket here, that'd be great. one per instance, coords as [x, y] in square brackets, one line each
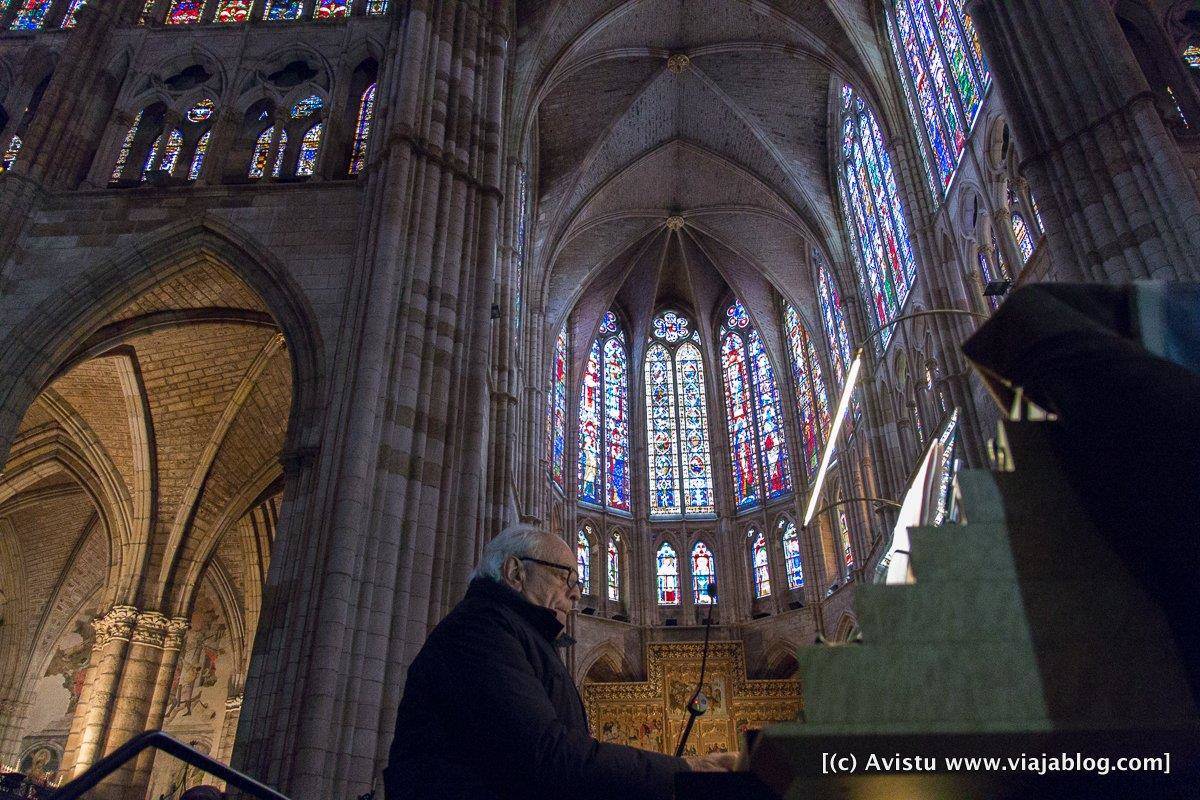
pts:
[490, 712]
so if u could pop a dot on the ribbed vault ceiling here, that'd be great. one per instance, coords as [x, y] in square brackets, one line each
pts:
[735, 142]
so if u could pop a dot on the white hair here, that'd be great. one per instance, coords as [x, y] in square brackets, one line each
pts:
[518, 540]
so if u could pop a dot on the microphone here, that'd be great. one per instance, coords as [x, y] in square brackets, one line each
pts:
[698, 704]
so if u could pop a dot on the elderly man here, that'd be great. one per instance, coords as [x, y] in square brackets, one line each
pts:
[489, 710]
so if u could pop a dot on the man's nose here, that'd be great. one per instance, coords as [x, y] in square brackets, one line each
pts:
[575, 593]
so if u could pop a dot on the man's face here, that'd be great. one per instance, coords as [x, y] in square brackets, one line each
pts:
[544, 585]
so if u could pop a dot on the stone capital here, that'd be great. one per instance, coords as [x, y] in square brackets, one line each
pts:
[116, 625]
[150, 629]
[177, 627]
[233, 704]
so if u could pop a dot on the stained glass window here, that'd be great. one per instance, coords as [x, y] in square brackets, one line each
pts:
[1021, 234]
[277, 169]
[376, 7]
[151, 156]
[583, 560]
[307, 107]
[366, 111]
[614, 572]
[147, 7]
[69, 20]
[762, 573]
[126, 146]
[1191, 55]
[874, 214]
[704, 573]
[677, 420]
[10, 154]
[170, 156]
[556, 410]
[834, 321]
[616, 423]
[1037, 215]
[668, 576]
[590, 430]
[202, 111]
[185, 12]
[262, 149]
[944, 76]
[198, 156]
[809, 385]
[753, 411]
[330, 9]
[283, 9]
[693, 431]
[791, 554]
[844, 536]
[31, 15]
[306, 162]
[604, 420]
[233, 11]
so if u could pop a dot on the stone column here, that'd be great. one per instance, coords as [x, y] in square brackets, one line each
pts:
[172, 643]
[113, 632]
[233, 710]
[379, 546]
[132, 698]
[1110, 179]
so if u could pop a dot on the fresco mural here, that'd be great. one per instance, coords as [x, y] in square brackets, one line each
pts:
[196, 703]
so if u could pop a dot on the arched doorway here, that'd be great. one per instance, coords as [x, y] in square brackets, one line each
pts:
[139, 504]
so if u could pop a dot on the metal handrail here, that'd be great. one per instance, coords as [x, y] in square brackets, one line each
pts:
[172, 746]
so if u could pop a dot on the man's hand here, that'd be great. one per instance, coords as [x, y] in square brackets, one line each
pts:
[713, 762]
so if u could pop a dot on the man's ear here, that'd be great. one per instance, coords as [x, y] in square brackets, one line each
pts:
[511, 570]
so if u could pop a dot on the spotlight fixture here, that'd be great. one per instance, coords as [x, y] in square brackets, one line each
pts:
[997, 288]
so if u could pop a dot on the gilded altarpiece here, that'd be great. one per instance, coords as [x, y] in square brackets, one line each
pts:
[652, 714]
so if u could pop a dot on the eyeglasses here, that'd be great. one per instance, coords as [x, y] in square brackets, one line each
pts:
[572, 579]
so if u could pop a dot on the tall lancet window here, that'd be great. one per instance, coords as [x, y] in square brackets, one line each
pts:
[583, 559]
[604, 420]
[809, 385]
[614, 570]
[556, 411]
[667, 570]
[756, 443]
[833, 319]
[759, 565]
[362, 130]
[677, 420]
[944, 76]
[791, 554]
[704, 573]
[874, 214]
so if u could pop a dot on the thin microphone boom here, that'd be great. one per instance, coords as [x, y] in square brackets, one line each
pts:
[699, 703]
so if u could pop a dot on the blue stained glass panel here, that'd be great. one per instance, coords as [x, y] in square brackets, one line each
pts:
[945, 153]
[31, 16]
[616, 423]
[762, 573]
[556, 410]
[583, 562]
[772, 447]
[590, 432]
[697, 457]
[791, 554]
[665, 493]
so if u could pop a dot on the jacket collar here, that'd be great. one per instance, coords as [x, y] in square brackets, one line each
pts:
[542, 619]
